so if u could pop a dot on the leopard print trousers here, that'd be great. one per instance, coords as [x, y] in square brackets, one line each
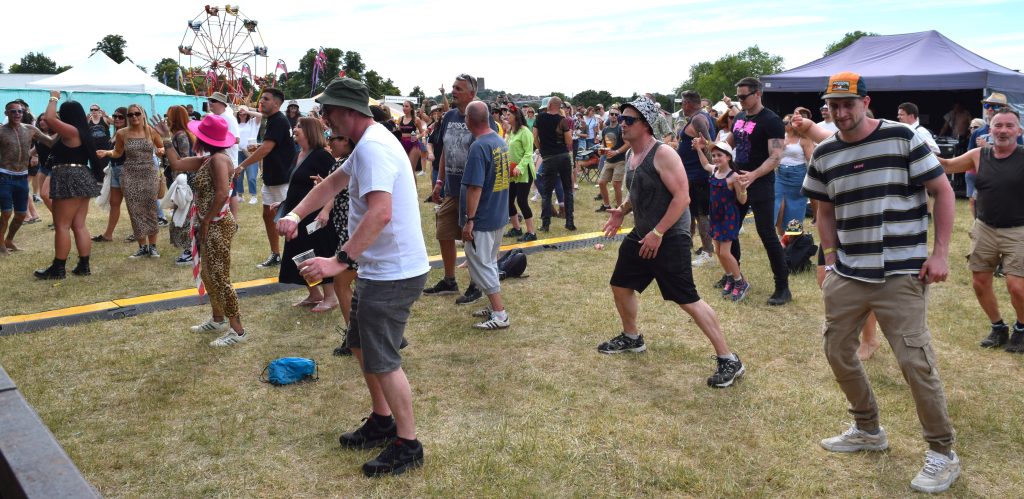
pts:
[215, 269]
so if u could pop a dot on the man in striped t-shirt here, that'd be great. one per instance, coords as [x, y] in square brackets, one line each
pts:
[870, 180]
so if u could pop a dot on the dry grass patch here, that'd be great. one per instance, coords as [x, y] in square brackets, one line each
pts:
[147, 409]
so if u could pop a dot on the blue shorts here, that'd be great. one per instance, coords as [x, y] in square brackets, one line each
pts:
[14, 193]
[115, 176]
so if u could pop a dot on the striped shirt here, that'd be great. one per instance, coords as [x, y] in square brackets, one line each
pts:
[877, 186]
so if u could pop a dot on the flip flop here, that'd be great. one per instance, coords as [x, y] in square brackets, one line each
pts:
[32, 221]
[306, 302]
[320, 308]
[100, 239]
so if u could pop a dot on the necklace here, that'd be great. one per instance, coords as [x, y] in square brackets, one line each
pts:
[638, 156]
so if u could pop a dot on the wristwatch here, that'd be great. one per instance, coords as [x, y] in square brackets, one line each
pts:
[343, 257]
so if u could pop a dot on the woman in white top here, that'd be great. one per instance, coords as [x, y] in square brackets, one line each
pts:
[789, 178]
[248, 129]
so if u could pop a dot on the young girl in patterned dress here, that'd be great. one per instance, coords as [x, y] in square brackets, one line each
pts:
[726, 196]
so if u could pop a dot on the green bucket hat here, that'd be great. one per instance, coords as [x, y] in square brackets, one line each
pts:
[346, 92]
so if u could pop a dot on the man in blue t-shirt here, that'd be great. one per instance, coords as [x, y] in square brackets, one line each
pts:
[483, 212]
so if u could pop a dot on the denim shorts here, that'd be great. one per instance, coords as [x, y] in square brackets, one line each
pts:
[13, 193]
[115, 176]
[380, 310]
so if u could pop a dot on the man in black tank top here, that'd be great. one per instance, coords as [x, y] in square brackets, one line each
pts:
[658, 247]
[553, 136]
[999, 229]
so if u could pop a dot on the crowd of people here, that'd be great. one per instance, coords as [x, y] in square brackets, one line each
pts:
[339, 186]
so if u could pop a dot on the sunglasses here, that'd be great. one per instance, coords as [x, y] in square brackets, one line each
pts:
[740, 97]
[786, 123]
[614, 114]
[135, 114]
[629, 120]
[15, 111]
[94, 109]
[992, 106]
[118, 116]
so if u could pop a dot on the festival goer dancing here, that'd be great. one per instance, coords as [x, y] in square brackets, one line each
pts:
[725, 195]
[139, 182]
[216, 224]
[410, 127]
[277, 153]
[520, 157]
[790, 203]
[99, 130]
[183, 142]
[387, 243]
[658, 197]
[41, 151]
[15, 157]
[218, 103]
[120, 120]
[248, 131]
[313, 162]
[72, 184]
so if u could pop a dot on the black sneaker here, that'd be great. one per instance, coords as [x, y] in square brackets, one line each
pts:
[598, 197]
[472, 295]
[153, 253]
[395, 459]
[997, 337]
[143, 251]
[273, 261]
[730, 281]
[184, 259]
[54, 272]
[601, 208]
[570, 227]
[728, 372]
[529, 236]
[446, 286]
[514, 232]
[1016, 342]
[162, 222]
[622, 343]
[721, 282]
[545, 228]
[375, 432]
[780, 297]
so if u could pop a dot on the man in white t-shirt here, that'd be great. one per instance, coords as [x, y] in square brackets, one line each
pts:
[386, 249]
[219, 106]
[906, 113]
[826, 120]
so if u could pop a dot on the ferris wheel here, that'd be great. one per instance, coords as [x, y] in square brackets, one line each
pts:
[220, 49]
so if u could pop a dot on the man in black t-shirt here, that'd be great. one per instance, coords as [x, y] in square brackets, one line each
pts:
[277, 151]
[552, 133]
[759, 137]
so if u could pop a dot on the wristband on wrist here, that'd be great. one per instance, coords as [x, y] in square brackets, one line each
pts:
[655, 232]
[54, 99]
[293, 217]
[825, 251]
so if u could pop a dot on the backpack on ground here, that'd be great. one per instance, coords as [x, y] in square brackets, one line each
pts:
[512, 263]
[288, 370]
[799, 252]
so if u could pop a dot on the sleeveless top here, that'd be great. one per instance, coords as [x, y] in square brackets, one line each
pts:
[999, 185]
[61, 154]
[691, 161]
[206, 191]
[650, 197]
[793, 155]
[407, 129]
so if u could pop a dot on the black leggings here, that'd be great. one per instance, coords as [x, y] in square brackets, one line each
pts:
[519, 193]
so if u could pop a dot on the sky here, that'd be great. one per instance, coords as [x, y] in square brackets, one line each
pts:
[525, 47]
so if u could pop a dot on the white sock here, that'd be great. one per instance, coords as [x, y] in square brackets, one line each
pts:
[631, 336]
[501, 316]
[731, 357]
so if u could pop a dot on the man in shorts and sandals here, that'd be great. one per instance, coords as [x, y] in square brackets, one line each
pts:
[658, 247]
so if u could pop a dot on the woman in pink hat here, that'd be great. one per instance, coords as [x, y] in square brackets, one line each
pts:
[216, 224]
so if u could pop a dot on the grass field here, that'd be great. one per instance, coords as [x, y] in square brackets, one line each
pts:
[145, 408]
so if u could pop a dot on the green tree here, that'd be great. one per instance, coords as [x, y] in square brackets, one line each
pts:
[846, 41]
[37, 63]
[353, 64]
[592, 98]
[168, 68]
[714, 79]
[418, 92]
[113, 46]
[378, 86]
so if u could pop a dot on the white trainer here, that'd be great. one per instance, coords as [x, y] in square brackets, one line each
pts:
[701, 259]
[855, 440]
[211, 326]
[938, 474]
[494, 322]
[229, 338]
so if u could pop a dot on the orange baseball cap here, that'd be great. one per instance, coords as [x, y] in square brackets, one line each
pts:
[845, 85]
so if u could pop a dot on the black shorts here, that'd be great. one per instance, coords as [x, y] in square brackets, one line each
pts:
[671, 268]
[700, 198]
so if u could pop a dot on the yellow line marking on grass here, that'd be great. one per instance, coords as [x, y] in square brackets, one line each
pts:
[183, 293]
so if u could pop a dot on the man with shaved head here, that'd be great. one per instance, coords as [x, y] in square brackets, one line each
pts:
[552, 133]
[483, 212]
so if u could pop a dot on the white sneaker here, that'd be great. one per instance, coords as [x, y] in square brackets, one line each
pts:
[938, 474]
[484, 312]
[211, 326]
[252, 200]
[494, 323]
[229, 338]
[855, 440]
[701, 259]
